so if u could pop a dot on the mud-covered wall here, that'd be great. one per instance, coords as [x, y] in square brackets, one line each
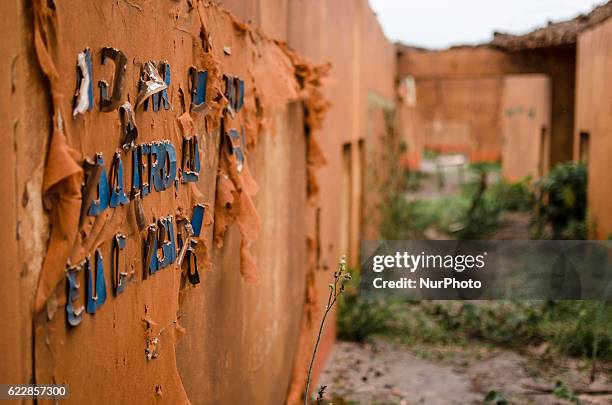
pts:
[360, 87]
[458, 96]
[24, 225]
[154, 334]
[594, 121]
[525, 126]
[459, 92]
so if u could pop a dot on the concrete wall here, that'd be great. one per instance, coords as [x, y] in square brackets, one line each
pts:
[360, 86]
[361, 90]
[594, 118]
[525, 126]
[226, 340]
[459, 93]
[24, 227]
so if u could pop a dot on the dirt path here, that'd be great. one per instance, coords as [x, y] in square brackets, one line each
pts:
[386, 373]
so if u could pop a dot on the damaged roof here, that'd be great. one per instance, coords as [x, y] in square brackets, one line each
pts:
[554, 34]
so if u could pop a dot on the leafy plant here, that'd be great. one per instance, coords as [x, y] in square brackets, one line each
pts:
[579, 328]
[404, 220]
[360, 318]
[563, 203]
[482, 217]
[561, 391]
[516, 196]
[494, 397]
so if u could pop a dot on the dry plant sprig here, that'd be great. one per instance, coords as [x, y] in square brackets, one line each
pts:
[321, 394]
[335, 289]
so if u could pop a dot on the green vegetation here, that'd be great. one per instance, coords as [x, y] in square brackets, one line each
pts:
[474, 213]
[430, 153]
[515, 197]
[562, 204]
[494, 397]
[485, 166]
[565, 328]
[570, 328]
[561, 391]
[471, 214]
[359, 319]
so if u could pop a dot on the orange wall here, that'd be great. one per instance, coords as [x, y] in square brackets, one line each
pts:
[525, 114]
[594, 116]
[224, 341]
[347, 35]
[460, 90]
[461, 115]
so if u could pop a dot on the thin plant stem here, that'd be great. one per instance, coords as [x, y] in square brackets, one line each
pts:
[314, 354]
[331, 300]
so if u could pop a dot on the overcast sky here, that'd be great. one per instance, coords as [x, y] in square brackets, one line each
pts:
[442, 23]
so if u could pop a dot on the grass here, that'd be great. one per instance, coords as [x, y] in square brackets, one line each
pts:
[570, 328]
[466, 215]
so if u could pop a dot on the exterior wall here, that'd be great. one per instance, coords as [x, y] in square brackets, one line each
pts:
[525, 126]
[360, 87]
[225, 341]
[594, 116]
[411, 137]
[240, 334]
[24, 225]
[459, 94]
[559, 64]
[461, 115]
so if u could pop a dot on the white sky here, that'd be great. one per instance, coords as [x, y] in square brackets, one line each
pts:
[442, 23]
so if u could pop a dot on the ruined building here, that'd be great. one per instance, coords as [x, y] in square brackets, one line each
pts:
[182, 177]
[512, 99]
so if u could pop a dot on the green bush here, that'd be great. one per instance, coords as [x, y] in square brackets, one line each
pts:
[404, 220]
[481, 217]
[480, 221]
[505, 323]
[579, 328]
[563, 204]
[359, 318]
[516, 196]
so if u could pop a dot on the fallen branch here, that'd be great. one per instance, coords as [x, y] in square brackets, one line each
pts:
[543, 389]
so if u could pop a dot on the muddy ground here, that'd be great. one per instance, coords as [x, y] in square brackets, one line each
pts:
[383, 372]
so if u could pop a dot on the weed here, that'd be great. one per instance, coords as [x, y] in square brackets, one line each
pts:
[359, 318]
[561, 391]
[579, 328]
[335, 290]
[574, 328]
[562, 203]
[472, 214]
[494, 397]
[430, 153]
[482, 216]
[516, 196]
